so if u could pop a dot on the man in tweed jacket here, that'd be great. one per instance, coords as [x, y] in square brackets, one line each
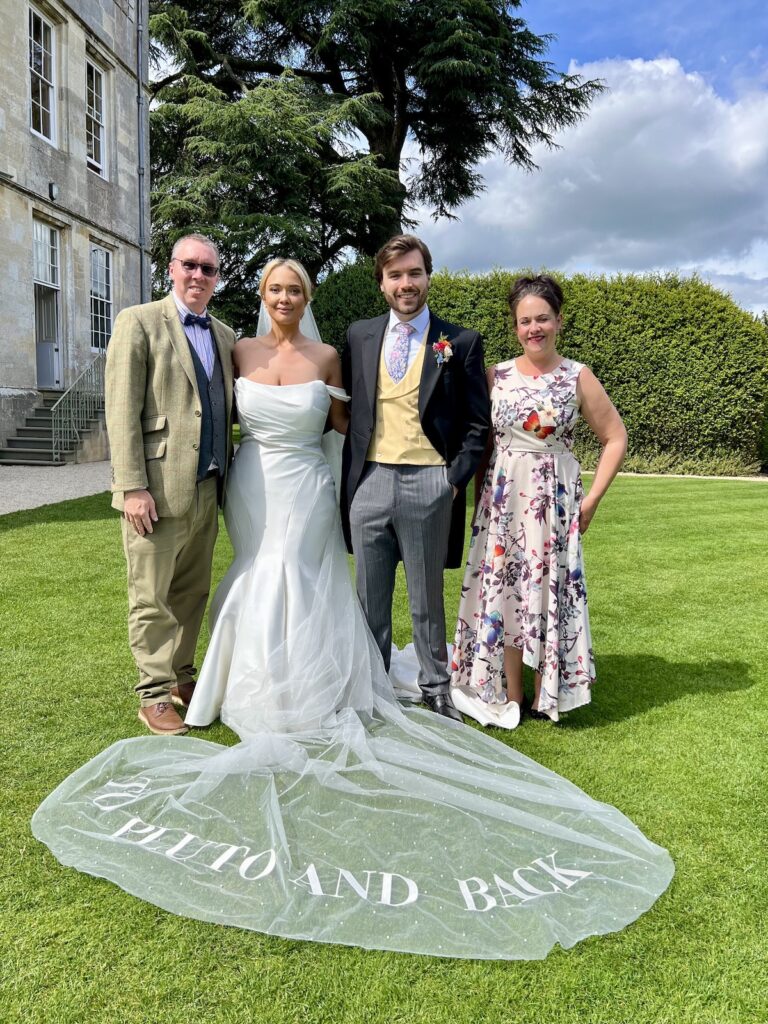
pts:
[169, 415]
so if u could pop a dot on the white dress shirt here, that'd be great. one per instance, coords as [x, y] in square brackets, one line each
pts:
[200, 339]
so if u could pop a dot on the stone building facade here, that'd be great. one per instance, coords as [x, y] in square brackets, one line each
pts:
[74, 187]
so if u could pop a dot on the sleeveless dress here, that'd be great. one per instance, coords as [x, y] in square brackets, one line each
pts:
[524, 581]
[339, 816]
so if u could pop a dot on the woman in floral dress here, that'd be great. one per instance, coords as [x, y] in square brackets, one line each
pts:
[524, 598]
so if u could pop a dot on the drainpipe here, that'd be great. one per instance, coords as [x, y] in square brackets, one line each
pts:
[141, 169]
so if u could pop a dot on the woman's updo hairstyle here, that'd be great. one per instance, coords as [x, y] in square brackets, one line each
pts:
[543, 286]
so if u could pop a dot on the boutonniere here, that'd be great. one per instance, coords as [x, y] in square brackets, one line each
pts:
[442, 349]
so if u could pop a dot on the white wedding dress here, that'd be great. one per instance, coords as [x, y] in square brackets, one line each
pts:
[339, 817]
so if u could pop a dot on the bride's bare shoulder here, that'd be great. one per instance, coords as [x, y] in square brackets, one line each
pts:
[249, 352]
[258, 340]
[327, 353]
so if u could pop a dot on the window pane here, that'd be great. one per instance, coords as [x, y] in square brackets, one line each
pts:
[46, 303]
[41, 40]
[37, 112]
[45, 253]
[101, 297]
[94, 117]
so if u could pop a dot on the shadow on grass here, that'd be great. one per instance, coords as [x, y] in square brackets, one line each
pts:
[629, 685]
[78, 510]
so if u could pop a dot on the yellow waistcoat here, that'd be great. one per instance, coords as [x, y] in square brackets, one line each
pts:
[398, 438]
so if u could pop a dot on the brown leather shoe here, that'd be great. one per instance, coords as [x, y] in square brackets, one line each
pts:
[181, 694]
[163, 719]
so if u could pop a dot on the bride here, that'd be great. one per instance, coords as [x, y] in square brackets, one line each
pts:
[339, 817]
[273, 660]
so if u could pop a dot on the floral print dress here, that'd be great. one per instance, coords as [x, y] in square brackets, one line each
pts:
[524, 582]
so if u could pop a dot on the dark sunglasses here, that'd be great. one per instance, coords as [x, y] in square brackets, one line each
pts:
[189, 267]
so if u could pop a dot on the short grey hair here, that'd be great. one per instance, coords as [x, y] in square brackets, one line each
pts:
[196, 237]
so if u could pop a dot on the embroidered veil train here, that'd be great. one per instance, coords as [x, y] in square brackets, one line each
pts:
[339, 816]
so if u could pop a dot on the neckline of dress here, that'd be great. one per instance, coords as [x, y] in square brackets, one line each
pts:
[538, 376]
[299, 384]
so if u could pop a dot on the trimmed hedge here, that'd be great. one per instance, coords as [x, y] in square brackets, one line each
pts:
[685, 366]
[348, 295]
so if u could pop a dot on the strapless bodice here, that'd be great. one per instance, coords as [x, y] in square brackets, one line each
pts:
[284, 415]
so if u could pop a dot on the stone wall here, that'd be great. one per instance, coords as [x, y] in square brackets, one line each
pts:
[51, 181]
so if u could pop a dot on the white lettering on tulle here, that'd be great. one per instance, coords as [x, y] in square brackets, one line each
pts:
[506, 890]
[412, 890]
[229, 852]
[129, 826]
[481, 890]
[477, 895]
[270, 866]
[517, 874]
[184, 841]
[160, 831]
[352, 882]
[150, 833]
[567, 876]
[121, 793]
[475, 891]
[310, 880]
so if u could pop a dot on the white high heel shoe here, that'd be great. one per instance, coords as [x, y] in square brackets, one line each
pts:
[502, 716]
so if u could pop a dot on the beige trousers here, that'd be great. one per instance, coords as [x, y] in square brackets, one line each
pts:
[169, 578]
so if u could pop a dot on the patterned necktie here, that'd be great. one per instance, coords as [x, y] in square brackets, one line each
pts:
[397, 362]
[201, 321]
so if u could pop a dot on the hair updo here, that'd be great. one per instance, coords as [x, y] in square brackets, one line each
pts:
[543, 286]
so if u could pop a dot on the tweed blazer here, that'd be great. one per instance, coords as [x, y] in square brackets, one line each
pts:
[153, 408]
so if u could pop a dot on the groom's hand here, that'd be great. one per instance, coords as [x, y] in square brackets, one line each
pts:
[139, 509]
[455, 491]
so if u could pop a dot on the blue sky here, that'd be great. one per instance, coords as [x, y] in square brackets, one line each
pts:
[668, 172]
[725, 42]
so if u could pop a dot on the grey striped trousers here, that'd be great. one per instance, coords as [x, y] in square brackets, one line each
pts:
[404, 510]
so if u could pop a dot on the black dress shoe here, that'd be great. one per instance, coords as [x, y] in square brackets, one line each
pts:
[442, 704]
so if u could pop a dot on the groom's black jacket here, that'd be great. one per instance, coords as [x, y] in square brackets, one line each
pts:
[453, 408]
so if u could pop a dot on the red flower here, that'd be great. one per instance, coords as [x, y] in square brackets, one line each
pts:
[533, 425]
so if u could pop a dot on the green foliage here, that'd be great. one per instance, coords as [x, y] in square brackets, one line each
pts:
[461, 78]
[352, 294]
[684, 365]
[219, 182]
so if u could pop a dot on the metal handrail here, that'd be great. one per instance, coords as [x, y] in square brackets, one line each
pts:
[80, 403]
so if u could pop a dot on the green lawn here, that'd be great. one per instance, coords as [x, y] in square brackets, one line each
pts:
[675, 737]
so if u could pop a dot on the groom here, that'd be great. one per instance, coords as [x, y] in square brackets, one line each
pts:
[419, 418]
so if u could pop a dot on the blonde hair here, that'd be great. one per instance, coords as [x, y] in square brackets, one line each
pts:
[296, 267]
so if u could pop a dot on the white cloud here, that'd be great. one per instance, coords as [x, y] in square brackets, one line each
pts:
[663, 174]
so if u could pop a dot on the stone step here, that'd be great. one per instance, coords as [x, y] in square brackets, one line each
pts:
[30, 442]
[45, 433]
[31, 456]
[26, 462]
[34, 431]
